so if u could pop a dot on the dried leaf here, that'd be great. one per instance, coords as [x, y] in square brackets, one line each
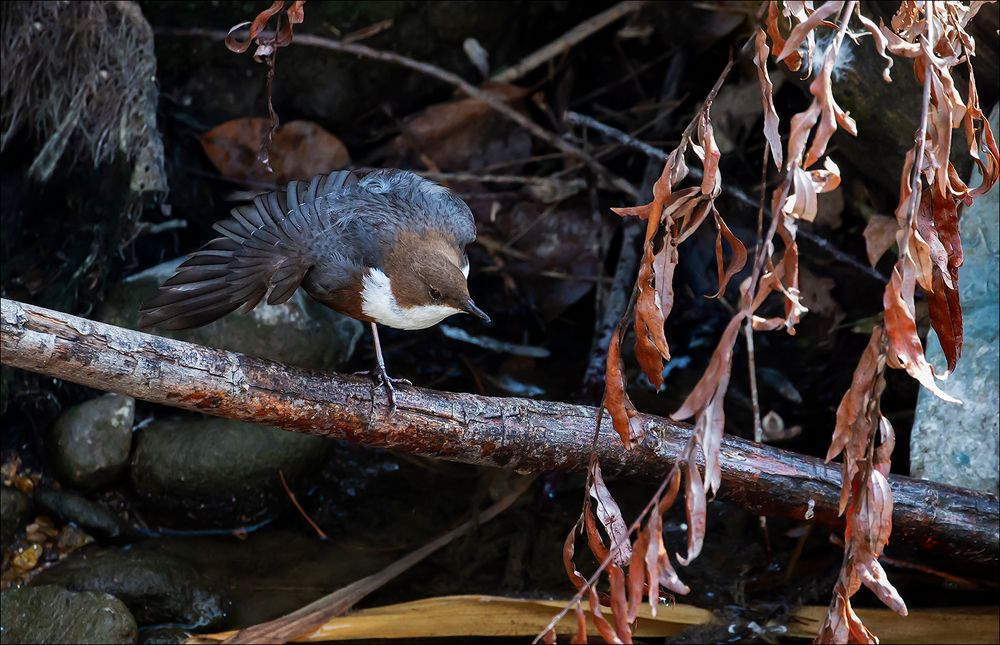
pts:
[695, 503]
[580, 637]
[739, 253]
[619, 603]
[610, 516]
[711, 181]
[879, 40]
[946, 318]
[300, 150]
[256, 27]
[569, 549]
[603, 627]
[767, 97]
[880, 235]
[805, 28]
[624, 416]
[842, 625]
[869, 531]
[906, 352]
[718, 368]
[792, 59]
[651, 347]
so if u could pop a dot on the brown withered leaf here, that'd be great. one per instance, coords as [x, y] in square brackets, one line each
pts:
[569, 550]
[739, 253]
[619, 603]
[695, 507]
[664, 264]
[603, 627]
[883, 454]
[610, 515]
[793, 60]
[718, 368]
[945, 217]
[842, 625]
[767, 97]
[803, 30]
[946, 318]
[869, 532]
[651, 347]
[465, 134]
[624, 416]
[905, 351]
[708, 152]
[880, 235]
[858, 413]
[580, 637]
[879, 41]
[299, 150]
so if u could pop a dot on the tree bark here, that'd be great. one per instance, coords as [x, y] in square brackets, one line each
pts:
[523, 434]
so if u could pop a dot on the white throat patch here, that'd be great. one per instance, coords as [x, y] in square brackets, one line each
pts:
[378, 303]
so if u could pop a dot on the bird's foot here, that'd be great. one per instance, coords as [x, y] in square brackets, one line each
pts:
[379, 377]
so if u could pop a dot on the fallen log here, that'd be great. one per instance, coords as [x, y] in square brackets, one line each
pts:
[523, 434]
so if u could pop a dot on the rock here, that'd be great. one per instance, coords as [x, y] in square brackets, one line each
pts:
[91, 441]
[156, 587]
[47, 614]
[955, 444]
[218, 471]
[91, 516]
[15, 508]
[299, 332]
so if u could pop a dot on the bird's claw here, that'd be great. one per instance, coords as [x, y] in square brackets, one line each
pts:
[379, 377]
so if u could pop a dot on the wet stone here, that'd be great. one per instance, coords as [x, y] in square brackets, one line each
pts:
[48, 614]
[91, 441]
[88, 515]
[219, 472]
[156, 587]
[15, 508]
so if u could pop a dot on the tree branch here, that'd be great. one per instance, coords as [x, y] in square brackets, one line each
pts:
[524, 434]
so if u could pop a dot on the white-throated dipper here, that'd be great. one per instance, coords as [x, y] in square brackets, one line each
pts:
[385, 248]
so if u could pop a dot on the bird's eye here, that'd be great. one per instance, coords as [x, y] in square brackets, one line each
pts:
[435, 294]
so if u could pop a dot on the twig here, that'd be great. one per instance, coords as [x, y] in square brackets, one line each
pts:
[741, 196]
[448, 77]
[583, 30]
[308, 618]
[295, 501]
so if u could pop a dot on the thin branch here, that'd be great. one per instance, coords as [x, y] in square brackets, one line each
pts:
[524, 434]
[584, 30]
[445, 76]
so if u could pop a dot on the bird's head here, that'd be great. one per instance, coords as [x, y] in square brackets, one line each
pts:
[424, 281]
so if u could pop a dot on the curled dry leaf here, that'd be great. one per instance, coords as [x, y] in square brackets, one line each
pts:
[267, 46]
[793, 60]
[842, 625]
[739, 253]
[879, 40]
[619, 603]
[581, 626]
[695, 507]
[946, 318]
[708, 152]
[767, 97]
[869, 533]
[858, 413]
[905, 350]
[610, 516]
[603, 627]
[569, 550]
[624, 416]
[804, 29]
[651, 347]
[880, 235]
[299, 150]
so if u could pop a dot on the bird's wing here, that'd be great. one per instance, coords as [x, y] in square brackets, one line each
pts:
[264, 251]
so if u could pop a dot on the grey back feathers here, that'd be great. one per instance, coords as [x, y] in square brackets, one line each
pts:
[324, 232]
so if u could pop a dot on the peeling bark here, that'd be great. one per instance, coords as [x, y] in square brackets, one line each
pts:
[523, 434]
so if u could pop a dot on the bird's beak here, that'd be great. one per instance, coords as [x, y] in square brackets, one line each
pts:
[471, 308]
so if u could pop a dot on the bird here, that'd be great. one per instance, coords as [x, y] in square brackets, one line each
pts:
[385, 247]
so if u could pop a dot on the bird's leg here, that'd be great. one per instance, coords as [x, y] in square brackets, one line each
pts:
[380, 376]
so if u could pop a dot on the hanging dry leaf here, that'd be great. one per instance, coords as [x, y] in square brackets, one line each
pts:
[624, 416]
[792, 59]
[739, 253]
[946, 318]
[610, 516]
[906, 352]
[299, 150]
[767, 98]
[880, 235]
[694, 504]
